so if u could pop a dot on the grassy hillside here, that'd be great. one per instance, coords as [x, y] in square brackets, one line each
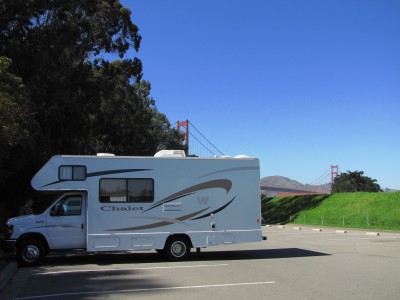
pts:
[351, 210]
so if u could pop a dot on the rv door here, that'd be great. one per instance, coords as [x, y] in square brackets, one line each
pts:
[66, 222]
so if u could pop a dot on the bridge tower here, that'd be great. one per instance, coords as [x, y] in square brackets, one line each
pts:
[185, 125]
[334, 173]
[200, 145]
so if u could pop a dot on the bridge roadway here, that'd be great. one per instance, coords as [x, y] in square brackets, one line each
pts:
[277, 189]
[291, 264]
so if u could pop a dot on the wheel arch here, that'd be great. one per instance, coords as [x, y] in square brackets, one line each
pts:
[180, 235]
[33, 236]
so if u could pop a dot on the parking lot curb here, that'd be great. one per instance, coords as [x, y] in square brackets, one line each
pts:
[7, 273]
[372, 233]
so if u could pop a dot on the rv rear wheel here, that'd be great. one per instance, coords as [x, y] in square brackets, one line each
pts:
[177, 248]
[30, 253]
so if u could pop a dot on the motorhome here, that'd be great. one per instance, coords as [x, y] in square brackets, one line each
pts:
[169, 203]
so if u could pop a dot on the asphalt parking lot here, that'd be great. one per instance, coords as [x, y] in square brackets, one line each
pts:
[292, 264]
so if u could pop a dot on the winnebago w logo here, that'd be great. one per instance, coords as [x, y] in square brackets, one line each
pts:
[202, 200]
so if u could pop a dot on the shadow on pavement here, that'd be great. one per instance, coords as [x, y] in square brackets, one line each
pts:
[257, 254]
[152, 257]
[82, 283]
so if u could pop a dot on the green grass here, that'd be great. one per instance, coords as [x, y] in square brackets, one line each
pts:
[350, 210]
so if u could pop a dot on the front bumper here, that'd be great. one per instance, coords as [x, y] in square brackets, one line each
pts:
[8, 246]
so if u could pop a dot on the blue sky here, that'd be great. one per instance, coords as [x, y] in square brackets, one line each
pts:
[298, 84]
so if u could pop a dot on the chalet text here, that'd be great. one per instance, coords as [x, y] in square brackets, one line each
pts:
[121, 208]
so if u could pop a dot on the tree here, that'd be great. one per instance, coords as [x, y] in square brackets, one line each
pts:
[14, 108]
[54, 45]
[17, 125]
[84, 103]
[18, 131]
[127, 120]
[351, 182]
[66, 97]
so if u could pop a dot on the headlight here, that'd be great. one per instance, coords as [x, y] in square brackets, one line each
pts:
[9, 231]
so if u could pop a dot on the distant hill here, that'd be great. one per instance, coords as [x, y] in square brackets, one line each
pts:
[387, 190]
[271, 185]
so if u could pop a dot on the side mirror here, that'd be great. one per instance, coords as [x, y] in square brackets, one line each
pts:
[57, 210]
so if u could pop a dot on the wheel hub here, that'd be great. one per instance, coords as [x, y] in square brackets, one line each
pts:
[178, 249]
[31, 253]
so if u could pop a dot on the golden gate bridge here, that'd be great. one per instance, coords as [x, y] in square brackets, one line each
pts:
[201, 146]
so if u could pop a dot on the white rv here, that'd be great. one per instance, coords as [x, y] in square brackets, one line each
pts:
[169, 203]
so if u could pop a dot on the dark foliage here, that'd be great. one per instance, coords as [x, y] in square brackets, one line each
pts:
[351, 182]
[60, 94]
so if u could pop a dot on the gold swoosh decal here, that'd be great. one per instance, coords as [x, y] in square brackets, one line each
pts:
[219, 183]
[161, 224]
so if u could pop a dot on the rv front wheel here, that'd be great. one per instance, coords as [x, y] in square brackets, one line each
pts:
[177, 248]
[30, 253]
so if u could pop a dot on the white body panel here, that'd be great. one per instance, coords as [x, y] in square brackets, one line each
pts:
[214, 201]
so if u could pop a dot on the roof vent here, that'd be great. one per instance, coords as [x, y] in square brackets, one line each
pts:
[105, 154]
[170, 153]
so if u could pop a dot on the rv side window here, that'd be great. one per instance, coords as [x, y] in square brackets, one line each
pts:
[140, 190]
[112, 190]
[72, 173]
[126, 190]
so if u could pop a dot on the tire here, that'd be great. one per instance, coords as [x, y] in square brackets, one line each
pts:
[177, 248]
[30, 253]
